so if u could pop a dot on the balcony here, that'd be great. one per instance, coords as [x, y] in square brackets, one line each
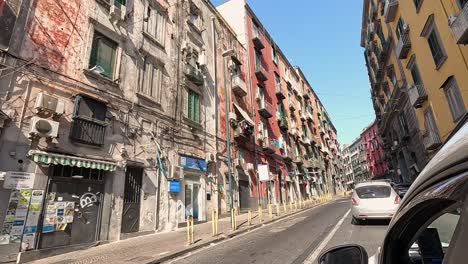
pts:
[238, 86]
[260, 72]
[241, 135]
[268, 145]
[87, 132]
[404, 45]
[303, 116]
[460, 27]
[280, 94]
[313, 140]
[417, 95]
[292, 107]
[283, 123]
[257, 39]
[298, 159]
[310, 117]
[193, 74]
[286, 153]
[390, 10]
[306, 95]
[264, 108]
[431, 140]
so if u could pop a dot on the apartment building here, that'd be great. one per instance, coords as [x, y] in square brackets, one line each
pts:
[294, 137]
[415, 55]
[375, 159]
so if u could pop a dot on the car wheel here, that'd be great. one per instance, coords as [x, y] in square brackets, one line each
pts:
[356, 221]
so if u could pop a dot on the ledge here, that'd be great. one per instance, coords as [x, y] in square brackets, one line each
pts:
[100, 78]
[153, 39]
[148, 98]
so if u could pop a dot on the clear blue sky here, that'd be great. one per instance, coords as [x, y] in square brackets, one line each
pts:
[323, 38]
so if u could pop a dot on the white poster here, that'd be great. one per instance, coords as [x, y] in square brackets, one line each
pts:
[263, 172]
[18, 180]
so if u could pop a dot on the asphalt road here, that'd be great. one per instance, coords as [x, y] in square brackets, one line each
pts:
[294, 239]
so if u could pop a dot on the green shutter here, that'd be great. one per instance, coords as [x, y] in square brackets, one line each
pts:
[190, 105]
[197, 107]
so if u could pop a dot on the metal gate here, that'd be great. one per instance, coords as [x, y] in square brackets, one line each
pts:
[132, 197]
[244, 195]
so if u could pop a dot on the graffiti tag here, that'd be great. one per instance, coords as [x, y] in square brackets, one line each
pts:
[88, 199]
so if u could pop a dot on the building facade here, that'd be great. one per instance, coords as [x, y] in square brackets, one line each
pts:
[375, 159]
[122, 118]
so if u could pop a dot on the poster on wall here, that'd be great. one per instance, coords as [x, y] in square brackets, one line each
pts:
[49, 218]
[30, 229]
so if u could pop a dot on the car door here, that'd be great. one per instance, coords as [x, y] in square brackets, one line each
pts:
[430, 227]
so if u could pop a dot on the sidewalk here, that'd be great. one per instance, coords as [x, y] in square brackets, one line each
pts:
[155, 248]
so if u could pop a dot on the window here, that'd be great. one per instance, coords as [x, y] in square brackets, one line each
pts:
[193, 106]
[435, 46]
[195, 17]
[274, 55]
[373, 191]
[119, 2]
[454, 99]
[155, 24]
[415, 74]
[277, 81]
[417, 4]
[103, 54]
[403, 123]
[89, 121]
[400, 28]
[429, 122]
[462, 3]
[152, 79]
[258, 60]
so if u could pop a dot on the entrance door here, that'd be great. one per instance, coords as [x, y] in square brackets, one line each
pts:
[132, 196]
[191, 200]
[244, 194]
[81, 200]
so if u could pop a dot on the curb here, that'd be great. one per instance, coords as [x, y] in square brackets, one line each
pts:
[228, 236]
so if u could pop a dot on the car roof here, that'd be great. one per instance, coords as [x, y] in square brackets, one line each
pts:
[453, 152]
[369, 183]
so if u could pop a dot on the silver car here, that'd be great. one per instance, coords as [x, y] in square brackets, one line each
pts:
[373, 200]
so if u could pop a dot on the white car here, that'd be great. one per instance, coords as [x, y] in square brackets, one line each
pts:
[373, 200]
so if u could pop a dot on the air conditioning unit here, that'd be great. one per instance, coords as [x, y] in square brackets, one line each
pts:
[232, 117]
[44, 127]
[176, 172]
[249, 166]
[202, 60]
[116, 11]
[49, 104]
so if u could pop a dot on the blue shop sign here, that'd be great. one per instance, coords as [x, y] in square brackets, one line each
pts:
[193, 163]
[174, 186]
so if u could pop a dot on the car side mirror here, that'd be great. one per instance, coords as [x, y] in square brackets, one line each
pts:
[347, 254]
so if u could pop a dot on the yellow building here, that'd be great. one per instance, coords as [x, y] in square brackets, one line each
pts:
[417, 61]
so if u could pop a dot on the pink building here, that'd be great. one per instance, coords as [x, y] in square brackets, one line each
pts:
[375, 157]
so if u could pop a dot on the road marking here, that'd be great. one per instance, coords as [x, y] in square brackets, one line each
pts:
[318, 250]
[277, 221]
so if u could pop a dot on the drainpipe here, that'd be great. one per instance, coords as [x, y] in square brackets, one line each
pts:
[228, 129]
[215, 70]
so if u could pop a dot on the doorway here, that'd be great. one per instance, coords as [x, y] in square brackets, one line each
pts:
[132, 199]
[192, 191]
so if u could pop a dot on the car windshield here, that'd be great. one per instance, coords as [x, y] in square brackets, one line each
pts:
[374, 191]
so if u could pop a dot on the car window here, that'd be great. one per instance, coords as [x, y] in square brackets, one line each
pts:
[432, 242]
[373, 191]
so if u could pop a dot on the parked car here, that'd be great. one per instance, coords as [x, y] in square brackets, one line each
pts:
[401, 188]
[431, 224]
[373, 200]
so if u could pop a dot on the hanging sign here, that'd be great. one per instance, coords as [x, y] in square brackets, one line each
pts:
[18, 180]
[263, 172]
[193, 163]
[174, 186]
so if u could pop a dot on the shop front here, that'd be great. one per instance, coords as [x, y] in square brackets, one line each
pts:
[193, 188]
[68, 211]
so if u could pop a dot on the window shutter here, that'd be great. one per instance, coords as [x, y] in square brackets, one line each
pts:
[197, 107]
[76, 108]
[190, 105]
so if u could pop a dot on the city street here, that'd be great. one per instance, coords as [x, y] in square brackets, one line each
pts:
[294, 239]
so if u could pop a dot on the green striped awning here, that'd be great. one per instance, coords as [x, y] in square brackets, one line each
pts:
[58, 159]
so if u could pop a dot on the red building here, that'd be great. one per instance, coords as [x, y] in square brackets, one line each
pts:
[376, 166]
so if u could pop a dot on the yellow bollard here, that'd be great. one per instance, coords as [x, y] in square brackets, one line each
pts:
[213, 222]
[270, 211]
[260, 214]
[249, 217]
[190, 231]
[233, 219]
[277, 210]
[285, 208]
[295, 206]
[291, 206]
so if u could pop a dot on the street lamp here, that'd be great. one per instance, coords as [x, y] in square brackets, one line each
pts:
[228, 53]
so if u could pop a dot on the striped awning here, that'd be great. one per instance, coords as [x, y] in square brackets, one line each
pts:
[58, 159]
